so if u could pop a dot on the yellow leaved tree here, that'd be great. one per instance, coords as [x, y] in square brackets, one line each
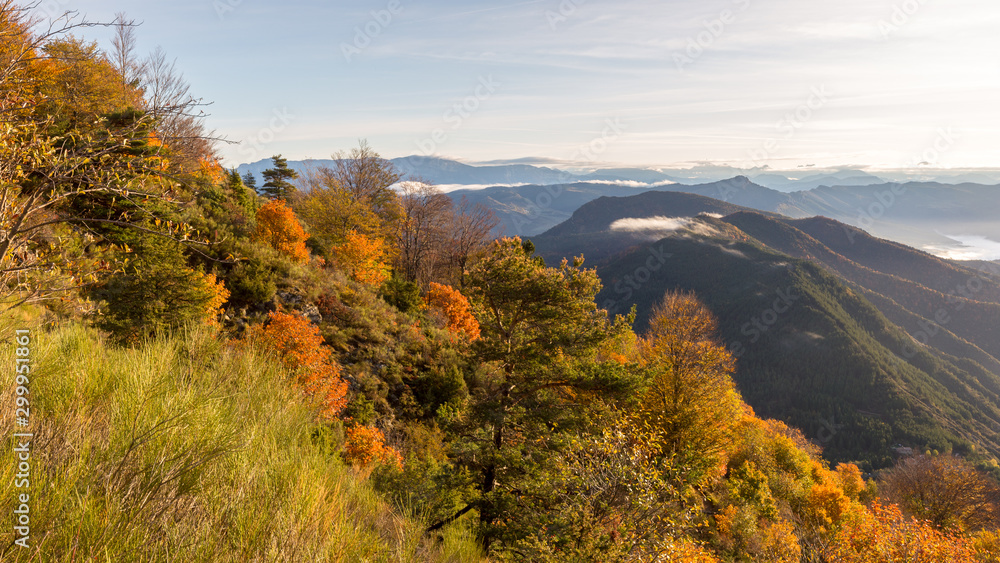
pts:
[364, 257]
[692, 403]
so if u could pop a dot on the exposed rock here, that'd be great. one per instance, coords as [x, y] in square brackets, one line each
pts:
[312, 313]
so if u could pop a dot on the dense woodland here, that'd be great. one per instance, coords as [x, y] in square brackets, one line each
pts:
[328, 368]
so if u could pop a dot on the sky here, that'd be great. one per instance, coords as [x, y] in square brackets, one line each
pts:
[749, 83]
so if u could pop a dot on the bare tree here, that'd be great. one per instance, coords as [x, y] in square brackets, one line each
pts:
[179, 116]
[123, 55]
[946, 490]
[423, 234]
[473, 228]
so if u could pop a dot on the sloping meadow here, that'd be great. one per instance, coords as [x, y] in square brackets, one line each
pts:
[187, 449]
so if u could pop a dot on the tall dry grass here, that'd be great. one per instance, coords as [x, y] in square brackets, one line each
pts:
[187, 449]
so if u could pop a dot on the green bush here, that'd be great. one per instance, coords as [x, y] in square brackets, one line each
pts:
[250, 283]
[156, 291]
[402, 294]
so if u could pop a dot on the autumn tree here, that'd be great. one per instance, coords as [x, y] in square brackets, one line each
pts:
[354, 195]
[278, 227]
[364, 258]
[299, 345]
[692, 402]
[369, 178]
[277, 183]
[946, 490]
[80, 84]
[455, 308]
[71, 153]
[539, 334]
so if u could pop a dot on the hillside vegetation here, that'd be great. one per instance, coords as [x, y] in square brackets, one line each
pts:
[347, 366]
[193, 449]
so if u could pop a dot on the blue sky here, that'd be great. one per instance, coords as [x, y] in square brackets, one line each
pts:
[783, 83]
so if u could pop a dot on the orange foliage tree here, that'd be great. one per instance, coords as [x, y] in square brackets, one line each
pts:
[300, 346]
[456, 309]
[365, 258]
[366, 447]
[278, 227]
[884, 535]
[210, 169]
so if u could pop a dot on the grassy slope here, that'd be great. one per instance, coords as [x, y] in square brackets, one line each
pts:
[188, 449]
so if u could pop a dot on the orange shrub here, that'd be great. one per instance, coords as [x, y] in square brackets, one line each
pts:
[278, 227]
[300, 346]
[884, 535]
[366, 446]
[455, 307]
[365, 258]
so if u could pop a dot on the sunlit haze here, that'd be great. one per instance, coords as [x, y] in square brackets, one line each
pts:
[783, 83]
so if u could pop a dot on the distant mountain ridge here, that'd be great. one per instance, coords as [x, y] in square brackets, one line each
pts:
[450, 172]
[531, 199]
[861, 342]
[919, 214]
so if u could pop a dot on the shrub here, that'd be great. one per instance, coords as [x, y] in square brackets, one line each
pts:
[365, 447]
[251, 282]
[884, 535]
[456, 309]
[278, 227]
[401, 294]
[300, 348]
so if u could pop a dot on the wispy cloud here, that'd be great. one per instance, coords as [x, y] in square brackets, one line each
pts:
[657, 223]
[967, 247]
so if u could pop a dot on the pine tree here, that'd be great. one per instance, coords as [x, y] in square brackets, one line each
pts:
[540, 331]
[277, 185]
[250, 181]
